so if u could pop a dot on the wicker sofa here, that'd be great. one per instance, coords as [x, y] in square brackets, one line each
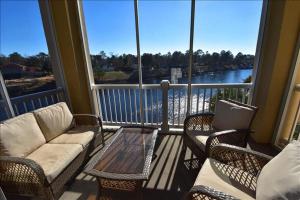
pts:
[239, 173]
[230, 124]
[42, 150]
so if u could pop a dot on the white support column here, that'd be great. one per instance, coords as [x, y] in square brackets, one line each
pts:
[137, 33]
[5, 96]
[191, 58]
[165, 118]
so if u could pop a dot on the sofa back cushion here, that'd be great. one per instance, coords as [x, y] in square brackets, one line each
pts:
[54, 120]
[20, 136]
[280, 178]
[229, 115]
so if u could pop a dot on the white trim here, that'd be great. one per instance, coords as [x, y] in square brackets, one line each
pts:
[257, 58]
[53, 47]
[191, 52]
[86, 50]
[137, 35]
[290, 88]
[5, 97]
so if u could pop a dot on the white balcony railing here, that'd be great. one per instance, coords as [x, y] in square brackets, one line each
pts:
[27, 103]
[164, 105]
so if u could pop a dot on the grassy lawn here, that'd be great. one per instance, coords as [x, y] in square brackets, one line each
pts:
[117, 75]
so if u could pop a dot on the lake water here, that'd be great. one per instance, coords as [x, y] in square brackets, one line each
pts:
[228, 76]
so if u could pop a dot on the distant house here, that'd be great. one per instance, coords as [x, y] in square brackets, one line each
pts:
[12, 70]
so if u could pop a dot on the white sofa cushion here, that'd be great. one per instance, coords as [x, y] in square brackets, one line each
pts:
[80, 135]
[54, 158]
[54, 120]
[20, 136]
[280, 178]
[227, 179]
[232, 116]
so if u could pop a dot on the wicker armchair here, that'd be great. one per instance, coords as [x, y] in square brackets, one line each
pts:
[238, 168]
[22, 176]
[200, 134]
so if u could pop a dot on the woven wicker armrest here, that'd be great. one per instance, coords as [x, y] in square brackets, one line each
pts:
[87, 119]
[242, 158]
[227, 137]
[200, 192]
[198, 121]
[21, 175]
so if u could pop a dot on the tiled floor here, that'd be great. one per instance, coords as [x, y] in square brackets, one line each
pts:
[171, 173]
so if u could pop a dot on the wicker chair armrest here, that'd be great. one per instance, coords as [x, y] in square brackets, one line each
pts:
[242, 158]
[203, 192]
[226, 136]
[87, 119]
[197, 121]
[14, 169]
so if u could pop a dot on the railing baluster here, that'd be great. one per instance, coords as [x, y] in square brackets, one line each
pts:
[120, 106]
[32, 104]
[115, 105]
[151, 94]
[197, 106]
[135, 108]
[130, 105]
[236, 94]
[6, 112]
[104, 103]
[125, 106]
[203, 103]
[40, 102]
[146, 105]
[173, 90]
[52, 99]
[243, 95]
[185, 103]
[224, 93]
[16, 109]
[109, 103]
[178, 107]
[57, 97]
[46, 99]
[157, 111]
[99, 104]
[210, 99]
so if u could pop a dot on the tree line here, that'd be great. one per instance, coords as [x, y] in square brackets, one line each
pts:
[215, 60]
[40, 61]
[128, 62]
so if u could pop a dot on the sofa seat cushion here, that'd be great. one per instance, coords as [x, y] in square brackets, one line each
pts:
[79, 135]
[232, 116]
[54, 120]
[199, 137]
[54, 158]
[20, 136]
[227, 179]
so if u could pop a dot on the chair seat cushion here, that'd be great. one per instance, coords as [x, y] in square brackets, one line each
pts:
[227, 179]
[20, 136]
[54, 158]
[199, 137]
[54, 120]
[280, 178]
[79, 135]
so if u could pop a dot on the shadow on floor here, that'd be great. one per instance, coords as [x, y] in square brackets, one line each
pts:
[173, 173]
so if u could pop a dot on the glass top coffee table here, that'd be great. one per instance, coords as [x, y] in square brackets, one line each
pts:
[125, 162]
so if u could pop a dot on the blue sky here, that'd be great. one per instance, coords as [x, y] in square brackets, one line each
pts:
[164, 26]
